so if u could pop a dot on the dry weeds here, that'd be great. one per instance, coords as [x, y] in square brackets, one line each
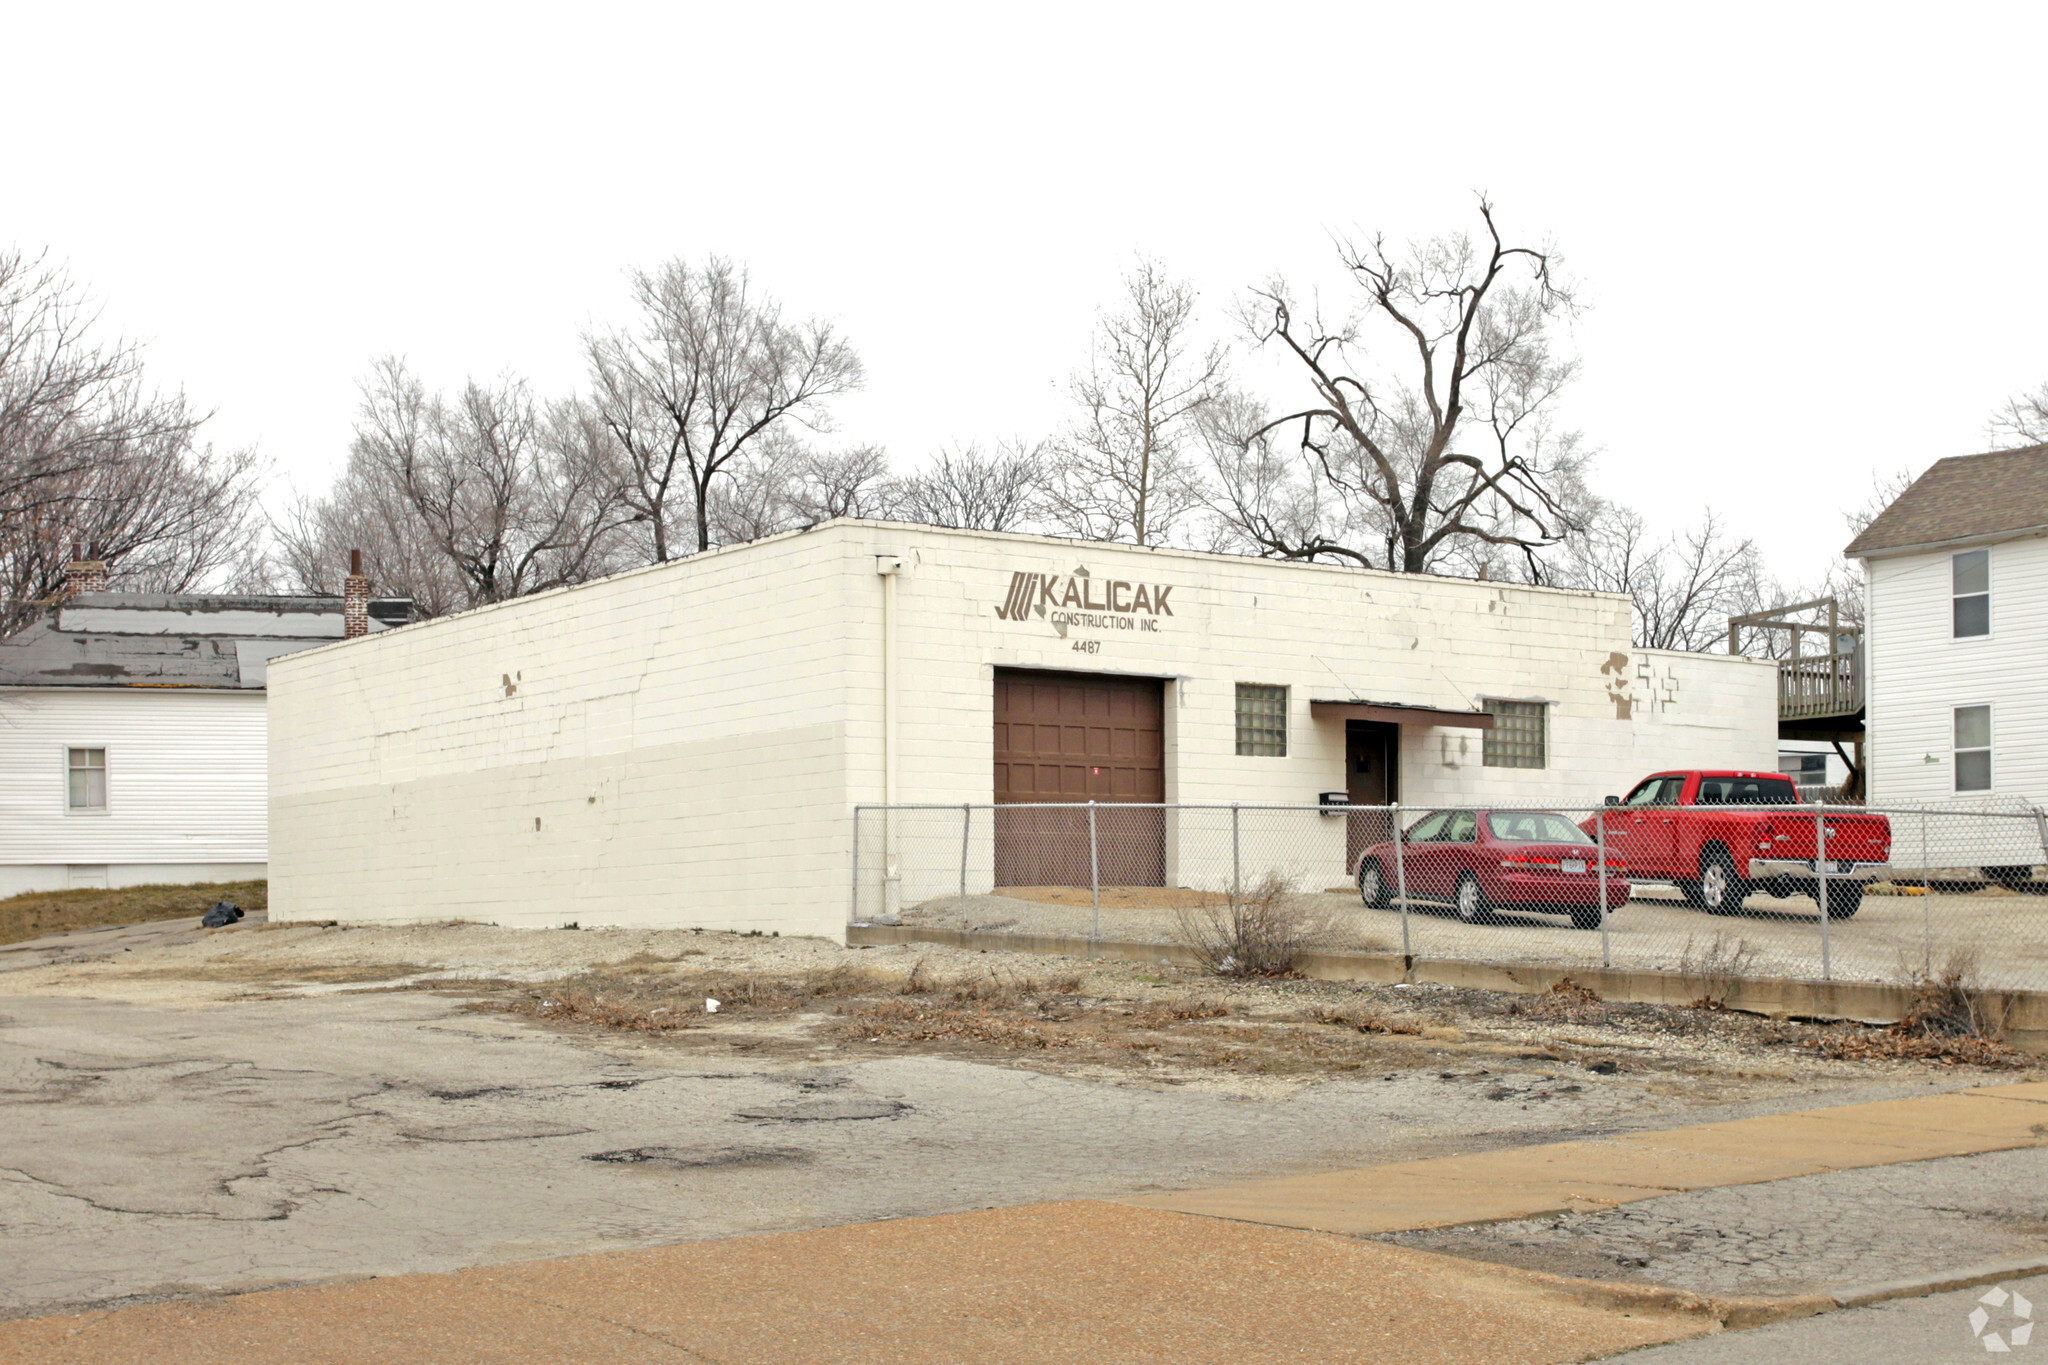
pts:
[1264, 931]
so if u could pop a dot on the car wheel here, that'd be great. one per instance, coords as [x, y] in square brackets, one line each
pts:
[1471, 902]
[1844, 899]
[1721, 891]
[1372, 884]
[1585, 917]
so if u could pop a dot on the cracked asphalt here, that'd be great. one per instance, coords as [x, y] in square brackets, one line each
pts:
[164, 1139]
[1804, 1235]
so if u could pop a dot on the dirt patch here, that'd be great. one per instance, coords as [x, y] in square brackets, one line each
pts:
[284, 973]
[1174, 1024]
[36, 914]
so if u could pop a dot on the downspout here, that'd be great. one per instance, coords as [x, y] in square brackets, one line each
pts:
[889, 567]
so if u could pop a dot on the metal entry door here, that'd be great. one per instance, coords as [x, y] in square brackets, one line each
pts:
[1371, 753]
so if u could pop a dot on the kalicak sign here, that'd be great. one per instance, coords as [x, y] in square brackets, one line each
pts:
[1079, 599]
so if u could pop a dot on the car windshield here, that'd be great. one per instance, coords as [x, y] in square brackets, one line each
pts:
[1746, 791]
[1534, 827]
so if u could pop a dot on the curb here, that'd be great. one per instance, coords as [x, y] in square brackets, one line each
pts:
[1740, 1313]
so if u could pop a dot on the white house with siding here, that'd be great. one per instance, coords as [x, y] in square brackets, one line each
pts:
[133, 739]
[686, 744]
[1956, 635]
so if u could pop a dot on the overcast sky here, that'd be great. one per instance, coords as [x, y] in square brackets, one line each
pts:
[1810, 236]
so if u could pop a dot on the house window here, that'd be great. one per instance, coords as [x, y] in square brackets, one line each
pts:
[1970, 575]
[1517, 737]
[1261, 721]
[88, 778]
[1973, 748]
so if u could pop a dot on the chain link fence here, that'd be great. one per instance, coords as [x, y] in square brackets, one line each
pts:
[1719, 891]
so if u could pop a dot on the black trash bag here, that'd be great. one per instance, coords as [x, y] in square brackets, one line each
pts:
[223, 914]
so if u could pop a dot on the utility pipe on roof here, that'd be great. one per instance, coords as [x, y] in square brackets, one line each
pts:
[889, 566]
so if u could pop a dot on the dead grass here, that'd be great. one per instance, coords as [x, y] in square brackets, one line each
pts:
[1716, 968]
[1950, 1018]
[1176, 1025]
[36, 913]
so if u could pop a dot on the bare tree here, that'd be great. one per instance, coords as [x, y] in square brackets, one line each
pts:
[466, 500]
[1128, 469]
[846, 483]
[710, 370]
[88, 452]
[975, 489]
[1451, 438]
[2023, 421]
[1262, 499]
[1683, 587]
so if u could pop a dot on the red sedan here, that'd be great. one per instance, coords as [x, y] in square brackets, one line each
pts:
[1477, 860]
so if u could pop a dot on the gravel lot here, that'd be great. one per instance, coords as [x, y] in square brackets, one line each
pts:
[2002, 933]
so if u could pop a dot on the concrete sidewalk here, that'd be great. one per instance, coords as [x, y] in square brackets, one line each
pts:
[1050, 1282]
[1251, 1273]
[1573, 1177]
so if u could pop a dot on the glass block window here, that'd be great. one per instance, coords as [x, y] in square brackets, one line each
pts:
[1517, 739]
[88, 778]
[1973, 748]
[1970, 580]
[1261, 720]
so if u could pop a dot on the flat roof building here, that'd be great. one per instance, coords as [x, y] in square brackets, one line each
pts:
[685, 744]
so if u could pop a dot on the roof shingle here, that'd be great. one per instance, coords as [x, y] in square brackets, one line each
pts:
[1964, 497]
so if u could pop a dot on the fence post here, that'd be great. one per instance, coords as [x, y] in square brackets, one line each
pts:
[966, 824]
[853, 901]
[1236, 866]
[1600, 852]
[1401, 886]
[1820, 872]
[1927, 906]
[1094, 875]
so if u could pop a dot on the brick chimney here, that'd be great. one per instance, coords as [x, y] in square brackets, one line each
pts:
[355, 599]
[83, 574]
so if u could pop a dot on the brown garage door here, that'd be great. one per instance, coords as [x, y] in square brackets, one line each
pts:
[1072, 738]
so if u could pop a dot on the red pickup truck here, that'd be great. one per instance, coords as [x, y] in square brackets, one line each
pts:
[1717, 836]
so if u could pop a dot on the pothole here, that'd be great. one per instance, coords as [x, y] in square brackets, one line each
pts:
[491, 1132]
[702, 1158]
[826, 1111]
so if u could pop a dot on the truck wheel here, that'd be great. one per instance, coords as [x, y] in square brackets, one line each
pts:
[1844, 899]
[1372, 884]
[1720, 891]
[1471, 903]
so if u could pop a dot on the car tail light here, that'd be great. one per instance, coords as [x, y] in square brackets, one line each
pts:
[1616, 865]
[1528, 862]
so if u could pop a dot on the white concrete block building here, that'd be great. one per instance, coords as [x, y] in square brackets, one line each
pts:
[686, 744]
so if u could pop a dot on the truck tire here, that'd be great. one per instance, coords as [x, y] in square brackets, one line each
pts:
[1372, 885]
[1721, 891]
[1844, 898]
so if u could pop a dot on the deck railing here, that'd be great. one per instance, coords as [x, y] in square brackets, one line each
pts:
[1820, 685]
